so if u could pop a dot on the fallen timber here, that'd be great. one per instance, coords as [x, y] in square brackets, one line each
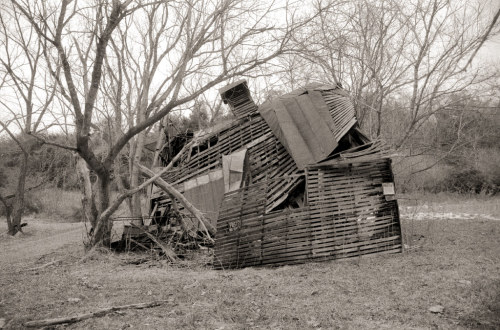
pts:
[290, 181]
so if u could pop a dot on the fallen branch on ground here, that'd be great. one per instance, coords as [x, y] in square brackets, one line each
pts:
[81, 317]
[169, 253]
[45, 265]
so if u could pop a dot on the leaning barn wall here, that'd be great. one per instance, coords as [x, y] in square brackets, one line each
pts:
[347, 215]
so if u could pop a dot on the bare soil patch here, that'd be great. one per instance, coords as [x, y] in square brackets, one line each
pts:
[39, 238]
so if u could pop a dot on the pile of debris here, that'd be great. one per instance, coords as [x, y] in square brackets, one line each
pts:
[171, 235]
[289, 181]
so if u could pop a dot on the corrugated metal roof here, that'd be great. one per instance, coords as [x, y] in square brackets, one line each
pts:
[305, 125]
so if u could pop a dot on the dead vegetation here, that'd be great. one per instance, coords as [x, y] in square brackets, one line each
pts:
[456, 266]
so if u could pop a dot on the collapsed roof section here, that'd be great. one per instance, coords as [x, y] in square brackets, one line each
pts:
[280, 137]
[305, 124]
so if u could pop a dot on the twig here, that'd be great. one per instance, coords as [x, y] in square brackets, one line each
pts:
[25, 190]
[484, 38]
[51, 143]
[101, 312]
[164, 247]
[139, 244]
[45, 265]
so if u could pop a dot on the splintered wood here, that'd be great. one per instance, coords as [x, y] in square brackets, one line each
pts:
[347, 216]
[314, 187]
[269, 158]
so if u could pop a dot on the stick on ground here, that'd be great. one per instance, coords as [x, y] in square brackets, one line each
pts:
[101, 312]
[54, 262]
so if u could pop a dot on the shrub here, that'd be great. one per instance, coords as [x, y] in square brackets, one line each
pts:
[475, 171]
[464, 181]
[63, 205]
[409, 176]
[77, 214]
[32, 203]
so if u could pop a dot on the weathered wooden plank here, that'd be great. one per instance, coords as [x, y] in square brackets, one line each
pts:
[300, 247]
[315, 232]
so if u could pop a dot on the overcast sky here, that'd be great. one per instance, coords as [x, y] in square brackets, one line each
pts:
[491, 49]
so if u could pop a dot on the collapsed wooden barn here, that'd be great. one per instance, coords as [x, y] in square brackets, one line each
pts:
[289, 181]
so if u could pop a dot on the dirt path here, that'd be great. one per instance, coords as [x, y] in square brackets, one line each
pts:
[40, 238]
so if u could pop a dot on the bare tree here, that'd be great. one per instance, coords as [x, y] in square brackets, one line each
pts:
[186, 48]
[417, 52]
[27, 95]
[448, 39]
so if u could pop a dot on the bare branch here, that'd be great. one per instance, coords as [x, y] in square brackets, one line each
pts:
[51, 143]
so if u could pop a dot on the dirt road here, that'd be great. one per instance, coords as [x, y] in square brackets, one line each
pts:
[39, 239]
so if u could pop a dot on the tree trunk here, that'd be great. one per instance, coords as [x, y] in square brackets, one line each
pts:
[102, 226]
[156, 157]
[136, 210]
[8, 211]
[88, 200]
[159, 142]
[379, 115]
[95, 200]
[134, 177]
[14, 225]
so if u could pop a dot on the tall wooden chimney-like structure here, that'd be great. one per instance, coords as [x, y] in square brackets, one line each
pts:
[237, 95]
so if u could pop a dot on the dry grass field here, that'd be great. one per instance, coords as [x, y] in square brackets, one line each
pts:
[452, 260]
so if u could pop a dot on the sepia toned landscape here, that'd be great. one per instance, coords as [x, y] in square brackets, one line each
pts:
[247, 164]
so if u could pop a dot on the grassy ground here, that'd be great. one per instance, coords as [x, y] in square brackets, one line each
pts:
[58, 204]
[454, 263]
[455, 203]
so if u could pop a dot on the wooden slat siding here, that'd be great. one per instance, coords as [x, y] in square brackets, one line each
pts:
[363, 213]
[322, 239]
[341, 109]
[323, 230]
[343, 225]
[236, 207]
[269, 159]
[287, 247]
[229, 140]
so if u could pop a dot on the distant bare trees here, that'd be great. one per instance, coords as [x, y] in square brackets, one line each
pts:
[414, 53]
[26, 95]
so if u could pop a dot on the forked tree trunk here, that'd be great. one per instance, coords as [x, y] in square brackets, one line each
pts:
[96, 199]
